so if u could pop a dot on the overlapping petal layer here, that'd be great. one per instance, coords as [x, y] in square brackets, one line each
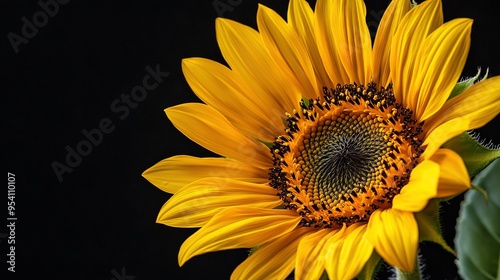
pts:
[394, 234]
[408, 40]
[244, 50]
[385, 33]
[445, 50]
[238, 227]
[274, 260]
[209, 128]
[195, 204]
[175, 172]
[328, 48]
[423, 185]
[287, 50]
[453, 175]
[301, 19]
[310, 262]
[346, 256]
[219, 87]
[352, 39]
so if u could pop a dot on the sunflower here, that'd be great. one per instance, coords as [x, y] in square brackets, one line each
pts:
[330, 145]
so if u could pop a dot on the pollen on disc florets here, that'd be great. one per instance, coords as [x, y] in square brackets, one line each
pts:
[345, 155]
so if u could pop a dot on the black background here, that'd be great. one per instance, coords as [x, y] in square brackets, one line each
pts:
[100, 220]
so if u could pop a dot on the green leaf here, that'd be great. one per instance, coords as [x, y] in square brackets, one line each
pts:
[476, 156]
[478, 228]
[429, 228]
[467, 83]
[371, 267]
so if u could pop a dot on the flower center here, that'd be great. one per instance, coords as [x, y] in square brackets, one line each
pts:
[346, 156]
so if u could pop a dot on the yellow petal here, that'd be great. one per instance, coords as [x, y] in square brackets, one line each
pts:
[217, 86]
[347, 255]
[353, 40]
[444, 51]
[301, 19]
[394, 234]
[310, 263]
[207, 127]
[274, 260]
[382, 45]
[453, 175]
[416, 25]
[175, 172]
[478, 105]
[238, 227]
[288, 51]
[195, 204]
[422, 186]
[324, 16]
[246, 54]
[443, 133]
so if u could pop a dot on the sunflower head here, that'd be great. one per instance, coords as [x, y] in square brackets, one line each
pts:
[345, 156]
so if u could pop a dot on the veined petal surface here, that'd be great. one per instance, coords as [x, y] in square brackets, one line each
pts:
[385, 33]
[195, 204]
[274, 260]
[238, 227]
[408, 40]
[310, 262]
[210, 129]
[453, 175]
[346, 256]
[328, 48]
[478, 105]
[301, 19]
[423, 185]
[394, 234]
[175, 172]
[246, 54]
[445, 50]
[219, 87]
[288, 51]
[352, 38]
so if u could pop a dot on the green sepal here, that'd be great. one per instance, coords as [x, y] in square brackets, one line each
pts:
[324, 276]
[371, 267]
[306, 102]
[467, 83]
[478, 228]
[481, 191]
[269, 145]
[475, 156]
[416, 274]
[253, 250]
[429, 227]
